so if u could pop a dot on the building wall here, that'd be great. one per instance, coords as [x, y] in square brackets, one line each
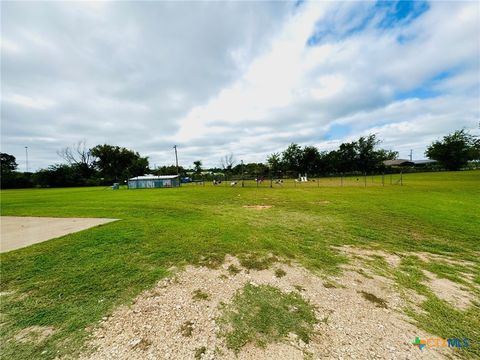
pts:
[151, 184]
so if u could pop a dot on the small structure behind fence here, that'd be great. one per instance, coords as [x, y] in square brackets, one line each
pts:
[153, 181]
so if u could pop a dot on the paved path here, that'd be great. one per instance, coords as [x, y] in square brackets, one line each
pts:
[20, 231]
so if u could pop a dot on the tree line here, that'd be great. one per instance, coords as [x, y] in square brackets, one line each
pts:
[100, 165]
[106, 164]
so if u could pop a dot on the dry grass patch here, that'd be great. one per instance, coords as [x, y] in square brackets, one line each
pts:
[257, 262]
[34, 334]
[257, 207]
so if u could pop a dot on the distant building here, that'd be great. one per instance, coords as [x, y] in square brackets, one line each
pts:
[424, 162]
[398, 162]
[154, 181]
[405, 163]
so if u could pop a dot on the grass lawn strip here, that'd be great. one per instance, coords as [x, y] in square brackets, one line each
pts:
[70, 283]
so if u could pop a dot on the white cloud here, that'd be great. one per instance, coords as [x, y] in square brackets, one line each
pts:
[38, 103]
[237, 77]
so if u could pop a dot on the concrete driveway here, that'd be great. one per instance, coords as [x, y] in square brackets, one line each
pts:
[20, 231]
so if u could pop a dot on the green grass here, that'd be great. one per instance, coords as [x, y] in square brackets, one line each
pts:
[280, 273]
[264, 314]
[233, 270]
[374, 299]
[187, 328]
[200, 295]
[199, 352]
[71, 282]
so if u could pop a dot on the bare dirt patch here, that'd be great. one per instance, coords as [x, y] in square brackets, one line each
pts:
[392, 259]
[21, 231]
[258, 207]
[34, 334]
[427, 257]
[449, 291]
[349, 325]
[321, 202]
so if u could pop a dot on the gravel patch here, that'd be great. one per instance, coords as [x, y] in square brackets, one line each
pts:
[167, 323]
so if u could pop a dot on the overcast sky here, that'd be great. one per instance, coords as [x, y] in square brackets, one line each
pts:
[246, 78]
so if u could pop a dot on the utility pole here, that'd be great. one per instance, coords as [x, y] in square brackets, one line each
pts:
[242, 173]
[26, 158]
[176, 158]
[411, 153]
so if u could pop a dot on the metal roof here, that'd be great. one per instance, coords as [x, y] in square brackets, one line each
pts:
[398, 162]
[154, 177]
[420, 162]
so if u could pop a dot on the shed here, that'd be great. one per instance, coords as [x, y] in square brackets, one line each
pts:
[154, 181]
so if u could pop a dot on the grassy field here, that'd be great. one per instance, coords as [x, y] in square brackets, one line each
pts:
[71, 282]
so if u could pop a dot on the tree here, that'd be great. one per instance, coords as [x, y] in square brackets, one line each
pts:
[357, 156]
[8, 162]
[345, 158]
[169, 170]
[274, 162]
[455, 150]
[366, 155]
[197, 167]
[117, 163]
[80, 158]
[310, 161]
[9, 178]
[228, 162]
[61, 175]
[292, 158]
[253, 169]
[362, 155]
[385, 155]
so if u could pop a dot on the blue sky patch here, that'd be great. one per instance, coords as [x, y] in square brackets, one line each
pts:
[417, 93]
[386, 14]
[404, 39]
[400, 12]
[299, 3]
[428, 89]
[338, 131]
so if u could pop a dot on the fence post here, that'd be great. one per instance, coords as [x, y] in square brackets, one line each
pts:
[383, 179]
[401, 177]
[365, 178]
